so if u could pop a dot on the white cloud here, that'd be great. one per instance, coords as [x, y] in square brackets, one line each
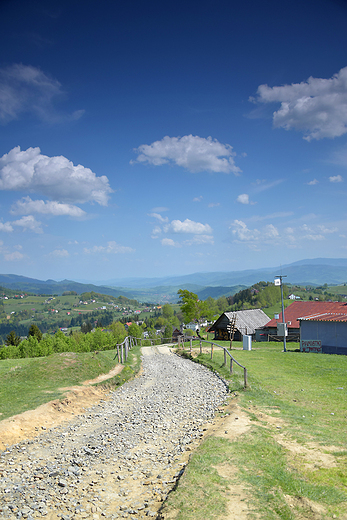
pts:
[314, 237]
[336, 178]
[6, 227]
[243, 234]
[317, 107]
[24, 88]
[28, 223]
[200, 239]
[111, 248]
[243, 199]
[54, 177]
[213, 204]
[15, 256]
[169, 242]
[270, 231]
[313, 182]
[194, 153]
[188, 226]
[198, 199]
[27, 205]
[59, 253]
[156, 231]
[159, 217]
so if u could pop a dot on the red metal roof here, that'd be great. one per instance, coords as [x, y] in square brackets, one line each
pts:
[313, 310]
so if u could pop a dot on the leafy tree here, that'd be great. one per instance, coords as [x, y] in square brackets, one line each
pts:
[118, 331]
[167, 311]
[191, 307]
[134, 330]
[12, 339]
[168, 332]
[35, 332]
[86, 327]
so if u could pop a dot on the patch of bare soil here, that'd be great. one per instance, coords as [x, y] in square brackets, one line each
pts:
[29, 424]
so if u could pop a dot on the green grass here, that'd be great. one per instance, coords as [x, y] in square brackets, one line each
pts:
[202, 492]
[28, 383]
[307, 394]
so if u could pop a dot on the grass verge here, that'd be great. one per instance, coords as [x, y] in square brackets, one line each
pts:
[282, 468]
[27, 383]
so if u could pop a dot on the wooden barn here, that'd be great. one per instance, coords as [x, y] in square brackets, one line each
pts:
[246, 323]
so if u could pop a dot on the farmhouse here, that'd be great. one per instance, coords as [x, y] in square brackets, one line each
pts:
[327, 328]
[294, 314]
[246, 322]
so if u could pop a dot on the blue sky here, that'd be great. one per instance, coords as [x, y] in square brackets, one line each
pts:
[144, 139]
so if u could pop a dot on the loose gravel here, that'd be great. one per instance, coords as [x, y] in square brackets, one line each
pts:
[121, 458]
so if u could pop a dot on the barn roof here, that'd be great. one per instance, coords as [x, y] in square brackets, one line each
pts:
[323, 311]
[246, 321]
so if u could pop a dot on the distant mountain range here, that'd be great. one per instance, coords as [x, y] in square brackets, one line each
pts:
[317, 271]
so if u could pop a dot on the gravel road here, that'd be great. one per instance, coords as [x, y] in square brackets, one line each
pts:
[120, 458]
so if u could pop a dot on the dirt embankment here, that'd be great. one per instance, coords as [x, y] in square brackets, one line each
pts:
[29, 424]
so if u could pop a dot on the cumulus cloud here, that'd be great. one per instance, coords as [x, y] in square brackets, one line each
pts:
[336, 178]
[313, 182]
[169, 242]
[243, 234]
[111, 248]
[213, 204]
[317, 107]
[6, 227]
[194, 153]
[55, 177]
[243, 199]
[188, 226]
[59, 253]
[27, 205]
[24, 88]
[12, 257]
[28, 223]
[202, 232]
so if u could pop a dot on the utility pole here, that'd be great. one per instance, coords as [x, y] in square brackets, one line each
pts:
[278, 281]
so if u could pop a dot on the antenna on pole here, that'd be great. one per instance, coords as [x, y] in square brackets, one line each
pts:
[278, 281]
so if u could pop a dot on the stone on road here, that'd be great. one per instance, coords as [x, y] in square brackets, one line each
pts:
[120, 458]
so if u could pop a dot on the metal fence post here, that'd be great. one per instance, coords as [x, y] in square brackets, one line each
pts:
[200, 347]
[245, 376]
[231, 365]
[190, 341]
[225, 358]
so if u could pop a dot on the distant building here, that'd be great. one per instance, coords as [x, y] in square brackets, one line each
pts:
[247, 322]
[328, 327]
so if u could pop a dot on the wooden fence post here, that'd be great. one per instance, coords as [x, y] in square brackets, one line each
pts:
[231, 365]
[118, 353]
[190, 341]
[200, 347]
[211, 350]
[122, 353]
[245, 376]
[225, 358]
